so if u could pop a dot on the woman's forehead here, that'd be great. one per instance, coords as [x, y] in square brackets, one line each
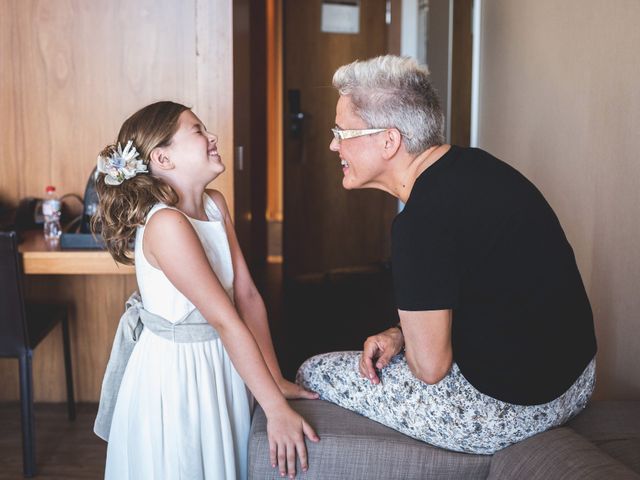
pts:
[346, 115]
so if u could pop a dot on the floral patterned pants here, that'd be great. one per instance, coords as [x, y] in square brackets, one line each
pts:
[451, 414]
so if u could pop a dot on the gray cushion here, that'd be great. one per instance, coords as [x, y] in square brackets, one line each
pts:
[559, 453]
[614, 427]
[354, 447]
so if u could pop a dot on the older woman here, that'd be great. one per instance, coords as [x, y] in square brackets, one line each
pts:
[496, 340]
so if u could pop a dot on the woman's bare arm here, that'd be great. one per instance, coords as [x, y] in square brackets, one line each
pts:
[427, 340]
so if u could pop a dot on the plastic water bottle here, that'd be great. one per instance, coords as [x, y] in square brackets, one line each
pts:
[51, 212]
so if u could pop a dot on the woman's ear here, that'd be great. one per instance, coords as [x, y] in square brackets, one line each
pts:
[159, 159]
[392, 141]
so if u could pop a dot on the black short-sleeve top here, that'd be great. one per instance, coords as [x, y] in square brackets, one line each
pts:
[477, 237]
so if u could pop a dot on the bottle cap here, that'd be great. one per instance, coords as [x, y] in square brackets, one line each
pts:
[50, 188]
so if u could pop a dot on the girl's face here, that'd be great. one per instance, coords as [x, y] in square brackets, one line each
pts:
[194, 150]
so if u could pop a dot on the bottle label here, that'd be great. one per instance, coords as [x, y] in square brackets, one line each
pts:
[50, 207]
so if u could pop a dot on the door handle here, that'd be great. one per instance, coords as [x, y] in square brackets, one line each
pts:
[296, 116]
[240, 158]
[296, 128]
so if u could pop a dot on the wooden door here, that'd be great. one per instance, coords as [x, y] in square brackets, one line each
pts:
[325, 226]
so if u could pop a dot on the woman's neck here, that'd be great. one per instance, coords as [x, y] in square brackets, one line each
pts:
[407, 175]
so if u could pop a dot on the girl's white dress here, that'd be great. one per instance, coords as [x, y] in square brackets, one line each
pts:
[182, 412]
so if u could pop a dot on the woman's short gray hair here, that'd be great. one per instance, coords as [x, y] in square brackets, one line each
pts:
[394, 92]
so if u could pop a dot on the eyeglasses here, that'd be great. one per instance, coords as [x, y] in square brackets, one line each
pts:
[340, 134]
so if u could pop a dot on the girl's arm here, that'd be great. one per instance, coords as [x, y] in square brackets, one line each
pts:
[171, 244]
[251, 306]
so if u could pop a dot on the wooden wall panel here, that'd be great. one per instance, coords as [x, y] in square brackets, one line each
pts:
[71, 72]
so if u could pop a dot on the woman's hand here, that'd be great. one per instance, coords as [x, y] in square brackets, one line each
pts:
[292, 391]
[379, 349]
[286, 430]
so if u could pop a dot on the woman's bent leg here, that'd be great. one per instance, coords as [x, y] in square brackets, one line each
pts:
[451, 414]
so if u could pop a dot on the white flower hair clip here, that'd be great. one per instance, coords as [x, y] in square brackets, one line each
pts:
[121, 164]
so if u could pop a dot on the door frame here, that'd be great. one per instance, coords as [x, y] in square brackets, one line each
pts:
[250, 128]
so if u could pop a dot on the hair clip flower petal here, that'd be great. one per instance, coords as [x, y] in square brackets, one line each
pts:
[121, 165]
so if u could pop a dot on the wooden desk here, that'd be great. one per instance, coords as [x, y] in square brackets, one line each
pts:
[38, 259]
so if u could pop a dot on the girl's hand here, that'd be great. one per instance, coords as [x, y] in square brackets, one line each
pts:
[286, 430]
[292, 391]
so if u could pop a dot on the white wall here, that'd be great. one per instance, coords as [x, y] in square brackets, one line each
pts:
[560, 101]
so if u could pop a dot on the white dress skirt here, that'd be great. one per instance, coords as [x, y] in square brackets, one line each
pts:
[182, 411]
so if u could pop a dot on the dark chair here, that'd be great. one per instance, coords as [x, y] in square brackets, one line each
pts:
[22, 327]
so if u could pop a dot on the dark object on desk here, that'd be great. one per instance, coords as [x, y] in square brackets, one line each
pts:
[90, 203]
[29, 214]
[85, 239]
[7, 220]
[81, 223]
[22, 327]
[81, 241]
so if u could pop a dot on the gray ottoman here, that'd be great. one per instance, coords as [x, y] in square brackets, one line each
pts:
[603, 442]
[559, 453]
[354, 447]
[613, 427]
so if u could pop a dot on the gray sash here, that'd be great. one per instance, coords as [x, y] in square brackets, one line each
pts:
[191, 328]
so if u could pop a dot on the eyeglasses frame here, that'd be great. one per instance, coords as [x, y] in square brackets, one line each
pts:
[339, 134]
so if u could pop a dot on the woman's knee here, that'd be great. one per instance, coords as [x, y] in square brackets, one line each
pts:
[326, 365]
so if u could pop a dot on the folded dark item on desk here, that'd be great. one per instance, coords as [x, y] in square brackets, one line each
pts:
[81, 241]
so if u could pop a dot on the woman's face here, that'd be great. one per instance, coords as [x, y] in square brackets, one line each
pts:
[360, 156]
[194, 150]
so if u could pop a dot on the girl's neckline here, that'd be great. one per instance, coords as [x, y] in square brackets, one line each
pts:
[207, 206]
[197, 219]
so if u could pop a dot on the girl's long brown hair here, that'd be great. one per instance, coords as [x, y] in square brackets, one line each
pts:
[122, 208]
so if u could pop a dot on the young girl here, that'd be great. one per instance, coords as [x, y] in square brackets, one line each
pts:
[177, 407]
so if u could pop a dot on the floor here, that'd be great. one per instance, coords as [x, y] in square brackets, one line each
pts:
[311, 314]
[64, 449]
